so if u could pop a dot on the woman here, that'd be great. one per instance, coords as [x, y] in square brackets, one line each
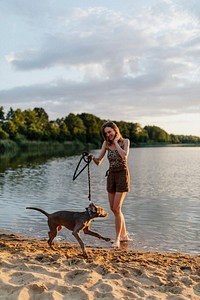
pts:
[118, 179]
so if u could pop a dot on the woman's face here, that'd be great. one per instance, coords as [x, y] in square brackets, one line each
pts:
[109, 133]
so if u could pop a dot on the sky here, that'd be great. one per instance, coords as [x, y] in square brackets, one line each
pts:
[133, 60]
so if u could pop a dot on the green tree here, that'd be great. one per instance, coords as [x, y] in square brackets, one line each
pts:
[10, 114]
[2, 117]
[10, 128]
[76, 127]
[174, 139]
[19, 119]
[37, 124]
[142, 136]
[93, 126]
[54, 130]
[41, 114]
[33, 128]
[43, 123]
[124, 128]
[157, 134]
[3, 134]
[64, 133]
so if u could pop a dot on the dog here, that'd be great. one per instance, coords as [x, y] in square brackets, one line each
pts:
[74, 221]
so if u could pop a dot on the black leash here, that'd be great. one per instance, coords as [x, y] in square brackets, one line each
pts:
[87, 161]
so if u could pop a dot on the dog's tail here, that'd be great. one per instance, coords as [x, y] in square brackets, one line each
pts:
[40, 210]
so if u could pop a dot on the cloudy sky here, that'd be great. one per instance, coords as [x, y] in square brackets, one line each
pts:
[131, 60]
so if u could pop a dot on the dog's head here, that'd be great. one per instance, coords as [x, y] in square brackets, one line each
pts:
[97, 211]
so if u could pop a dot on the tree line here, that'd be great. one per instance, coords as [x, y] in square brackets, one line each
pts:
[34, 125]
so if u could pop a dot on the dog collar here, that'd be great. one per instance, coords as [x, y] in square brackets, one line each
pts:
[89, 212]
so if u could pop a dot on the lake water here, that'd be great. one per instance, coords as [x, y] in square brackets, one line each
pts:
[162, 211]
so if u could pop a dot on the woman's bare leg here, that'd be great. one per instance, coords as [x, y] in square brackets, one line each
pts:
[116, 200]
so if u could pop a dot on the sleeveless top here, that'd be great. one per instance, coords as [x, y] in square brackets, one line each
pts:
[116, 162]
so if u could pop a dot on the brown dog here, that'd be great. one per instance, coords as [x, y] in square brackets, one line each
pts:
[74, 221]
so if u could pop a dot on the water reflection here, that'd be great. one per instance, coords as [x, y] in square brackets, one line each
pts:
[162, 210]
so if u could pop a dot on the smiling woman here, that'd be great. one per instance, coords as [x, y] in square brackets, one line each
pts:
[118, 178]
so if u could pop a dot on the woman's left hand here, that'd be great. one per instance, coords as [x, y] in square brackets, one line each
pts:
[89, 157]
[116, 138]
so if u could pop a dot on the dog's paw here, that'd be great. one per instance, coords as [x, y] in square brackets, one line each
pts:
[85, 255]
[52, 248]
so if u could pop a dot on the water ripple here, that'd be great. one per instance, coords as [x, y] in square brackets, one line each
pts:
[162, 210]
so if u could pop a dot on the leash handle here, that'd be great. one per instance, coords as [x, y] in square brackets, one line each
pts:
[89, 158]
[87, 161]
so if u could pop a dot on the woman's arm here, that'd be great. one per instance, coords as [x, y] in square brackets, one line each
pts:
[122, 152]
[98, 160]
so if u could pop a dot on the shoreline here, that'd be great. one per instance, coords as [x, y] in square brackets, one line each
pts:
[31, 270]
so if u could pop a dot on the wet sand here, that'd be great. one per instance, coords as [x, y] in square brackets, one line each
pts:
[31, 270]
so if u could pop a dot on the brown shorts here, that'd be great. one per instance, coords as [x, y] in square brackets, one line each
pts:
[118, 181]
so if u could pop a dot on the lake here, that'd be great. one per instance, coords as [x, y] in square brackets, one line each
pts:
[162, 211]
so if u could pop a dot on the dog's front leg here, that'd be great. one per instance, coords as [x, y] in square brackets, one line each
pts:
[88, 231]
[76, 234]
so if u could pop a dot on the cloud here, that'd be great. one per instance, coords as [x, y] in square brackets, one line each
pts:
[130, 64]
[118, 96]
[115, 44]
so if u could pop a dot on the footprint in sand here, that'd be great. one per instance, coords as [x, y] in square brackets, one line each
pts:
[38, 287]
[186, 281]
[19, 278]
[104, 287]
[102, 295]
[82, 276]
[77, 293]
[197, 289]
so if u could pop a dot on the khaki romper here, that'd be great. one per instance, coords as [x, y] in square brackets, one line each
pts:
[118, 179]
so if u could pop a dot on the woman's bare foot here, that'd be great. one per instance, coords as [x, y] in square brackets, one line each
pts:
[116, 244]
[126, 238]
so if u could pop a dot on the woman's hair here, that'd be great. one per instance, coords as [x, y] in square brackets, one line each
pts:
[113, 126]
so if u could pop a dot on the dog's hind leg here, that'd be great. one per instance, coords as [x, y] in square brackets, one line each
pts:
[52, 234]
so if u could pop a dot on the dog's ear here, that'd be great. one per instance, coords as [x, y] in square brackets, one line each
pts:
[93, 207]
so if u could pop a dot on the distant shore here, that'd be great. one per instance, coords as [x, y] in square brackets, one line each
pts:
[165, 145]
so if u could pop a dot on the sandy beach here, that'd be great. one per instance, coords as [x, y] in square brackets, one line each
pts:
[31, 270]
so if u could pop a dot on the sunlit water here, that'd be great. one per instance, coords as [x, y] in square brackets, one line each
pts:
[162, 211]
